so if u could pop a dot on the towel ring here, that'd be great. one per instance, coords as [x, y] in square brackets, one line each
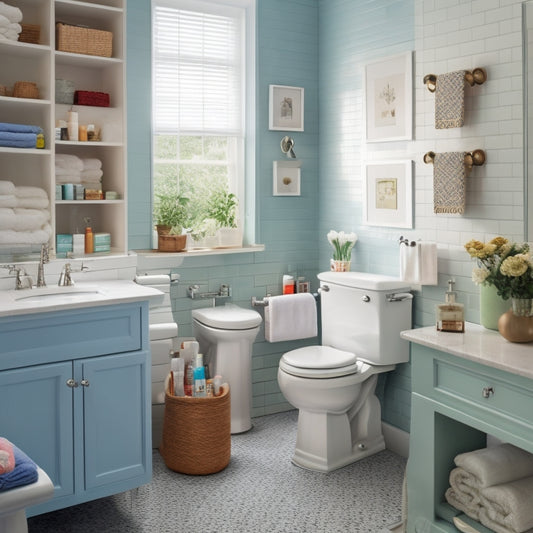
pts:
[478, 76]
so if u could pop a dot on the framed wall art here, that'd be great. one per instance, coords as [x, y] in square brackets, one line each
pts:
[286, 108]
[388, 194]
[286, 178]
[388, 101]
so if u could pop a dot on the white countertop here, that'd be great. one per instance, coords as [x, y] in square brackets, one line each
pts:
[478, 344]
[80, 295]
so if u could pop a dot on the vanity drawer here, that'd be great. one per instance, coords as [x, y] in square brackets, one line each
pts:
[483, 390]
[47, 337]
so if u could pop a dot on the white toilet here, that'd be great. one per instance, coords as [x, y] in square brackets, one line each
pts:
[333, 385]
[226, 334]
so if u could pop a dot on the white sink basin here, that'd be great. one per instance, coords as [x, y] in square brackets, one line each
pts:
[60, 294]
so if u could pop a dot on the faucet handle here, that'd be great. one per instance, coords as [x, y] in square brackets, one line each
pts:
[65, 278]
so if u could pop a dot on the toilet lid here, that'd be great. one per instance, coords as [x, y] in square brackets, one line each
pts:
[227, 317]
[319, 358]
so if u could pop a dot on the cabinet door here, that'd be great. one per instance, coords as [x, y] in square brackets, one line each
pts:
[36, 415]
[116, 415]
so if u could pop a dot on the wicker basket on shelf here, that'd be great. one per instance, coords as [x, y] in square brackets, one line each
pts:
[80, 40]
[25, 89]
[197, 433]
[3, 90]
[31, 33]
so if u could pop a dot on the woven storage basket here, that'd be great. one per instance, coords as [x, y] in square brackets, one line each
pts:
[25, 89]
[197, 433]
[91, 98]
[80, 40]
[31, 33]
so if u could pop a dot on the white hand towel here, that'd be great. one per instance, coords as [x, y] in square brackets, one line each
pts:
[14, 14]
[428, 263]
[30, 192]
[69, 161]
[92, 175]
[290, 317]
[7, 187]
[32, 202]
[462, 502]
[7, 218]
[409, 264]
[92, 164]
[496, 464]
[8, 200]
[507, 507]
[466, 487]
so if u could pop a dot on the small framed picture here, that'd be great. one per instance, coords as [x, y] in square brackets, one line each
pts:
[286, 108]
[286, 178]
[388, 104]
[388, 194]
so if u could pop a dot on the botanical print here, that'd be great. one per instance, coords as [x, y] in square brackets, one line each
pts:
[386, 99]
[387, 193]
[286, 108]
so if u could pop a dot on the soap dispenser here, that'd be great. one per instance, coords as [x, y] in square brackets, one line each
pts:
[451, 315]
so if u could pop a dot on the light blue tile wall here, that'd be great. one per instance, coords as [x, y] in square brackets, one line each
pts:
[353, 33]
[287, 54]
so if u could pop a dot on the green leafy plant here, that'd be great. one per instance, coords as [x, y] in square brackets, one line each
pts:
[170, 209]
[222, 207]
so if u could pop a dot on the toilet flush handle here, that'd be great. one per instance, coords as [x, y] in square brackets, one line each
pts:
[365, 298]
[323, 288]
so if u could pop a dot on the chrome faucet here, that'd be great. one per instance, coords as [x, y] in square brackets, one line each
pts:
[65, 278]
[22, 280]
[45, 258]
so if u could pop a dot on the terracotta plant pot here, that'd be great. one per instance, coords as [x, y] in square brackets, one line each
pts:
[163, 229]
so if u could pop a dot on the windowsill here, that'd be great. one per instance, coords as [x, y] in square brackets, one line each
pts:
[203, 251]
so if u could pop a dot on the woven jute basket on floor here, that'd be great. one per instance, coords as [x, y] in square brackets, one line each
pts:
[197, 433]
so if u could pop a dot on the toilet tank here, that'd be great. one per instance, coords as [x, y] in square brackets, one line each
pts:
[364, 314]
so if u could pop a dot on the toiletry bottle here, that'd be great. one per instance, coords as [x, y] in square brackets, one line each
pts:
[89, 240]
[176, 367]
[288, 284]
[451, 315]
[199, 377]
[189, 378]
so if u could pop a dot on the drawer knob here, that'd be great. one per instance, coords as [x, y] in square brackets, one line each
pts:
[486, 392]
[84, 382]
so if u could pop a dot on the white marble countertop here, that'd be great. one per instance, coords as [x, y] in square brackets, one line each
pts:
[480, 345]
[85, 294]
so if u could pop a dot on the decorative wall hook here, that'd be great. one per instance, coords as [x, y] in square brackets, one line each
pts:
[478, 76]
[287, 147]
[473, 158]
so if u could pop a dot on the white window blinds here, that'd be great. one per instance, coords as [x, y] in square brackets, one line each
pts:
[198, 51]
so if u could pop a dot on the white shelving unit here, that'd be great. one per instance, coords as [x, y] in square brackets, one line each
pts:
[42, 64]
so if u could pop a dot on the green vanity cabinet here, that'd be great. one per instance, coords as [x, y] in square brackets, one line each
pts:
[464, 387]
[75, 396]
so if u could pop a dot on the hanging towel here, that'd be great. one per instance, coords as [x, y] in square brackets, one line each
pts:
[409, 264]
[507, 507]
[496, 464]
[449, 183]
[24, 473]
[290, 317]
[428, 263]
[7, 456]
[450, 100]
[418, 264]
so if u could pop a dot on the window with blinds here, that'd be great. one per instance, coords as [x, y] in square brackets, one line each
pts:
[198, 110]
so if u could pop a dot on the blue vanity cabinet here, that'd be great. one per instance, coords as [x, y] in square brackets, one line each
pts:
[75, 396]
[457, 400]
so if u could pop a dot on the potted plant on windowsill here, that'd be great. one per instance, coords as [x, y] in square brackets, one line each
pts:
[171, 217]
[222, 207]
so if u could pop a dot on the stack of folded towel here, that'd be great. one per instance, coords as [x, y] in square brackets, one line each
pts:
[24, 214]
[494, 486]
[18, 135]
[10, 17]
[16, 468]
[72, 169]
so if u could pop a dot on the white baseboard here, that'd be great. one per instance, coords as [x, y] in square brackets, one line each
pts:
[396, 440]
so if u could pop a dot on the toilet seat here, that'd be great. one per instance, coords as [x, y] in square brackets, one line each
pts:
[320, 362]
[230, 317]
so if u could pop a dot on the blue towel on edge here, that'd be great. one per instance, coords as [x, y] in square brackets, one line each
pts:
[19, 128]
[24, 473]
[18, 140]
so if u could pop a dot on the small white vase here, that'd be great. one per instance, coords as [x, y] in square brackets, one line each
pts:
[340, 266]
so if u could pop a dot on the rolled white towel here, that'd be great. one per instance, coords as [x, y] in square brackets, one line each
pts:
[14, 14]
[30, 219]
[497, 464]
[7, 218]
[507, 507]
[25, 237]
[92, 164]
[8, 200]
[7, 187]
[4, 21]
[91, 175]
[23, 191]
[462, 502]
[10, 34]
[69, 161]
[465, 483]
[32, 203]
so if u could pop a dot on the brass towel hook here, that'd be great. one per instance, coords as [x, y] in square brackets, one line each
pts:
[478, 76]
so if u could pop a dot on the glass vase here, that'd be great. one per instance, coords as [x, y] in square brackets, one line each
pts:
[340, 266]
[491, 306]
[522, 306]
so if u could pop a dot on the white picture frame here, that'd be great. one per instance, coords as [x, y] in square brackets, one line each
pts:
[286, 108]
[388, 193]
[388, 101]
[286, 178]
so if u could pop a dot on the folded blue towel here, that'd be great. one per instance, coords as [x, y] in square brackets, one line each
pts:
[18, 140]
[25, 472]
[19, 128]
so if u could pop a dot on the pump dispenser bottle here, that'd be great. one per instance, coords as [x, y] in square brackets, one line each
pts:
[451, 315]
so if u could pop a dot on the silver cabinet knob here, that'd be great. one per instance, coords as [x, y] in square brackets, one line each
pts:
[72, 383]
[487, 392]
[365, 298]
[84, 382]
